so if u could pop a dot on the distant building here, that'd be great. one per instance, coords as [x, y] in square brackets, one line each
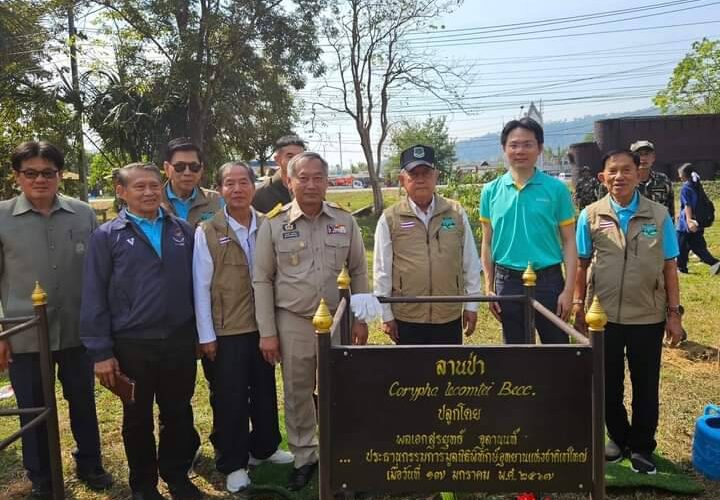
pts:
[678, 139]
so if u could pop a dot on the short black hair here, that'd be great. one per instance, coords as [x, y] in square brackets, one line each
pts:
[227, 166]
[289, 140]
[37, 149]
[124, 173]
[615, 152]
[526, 123]
[181, 144]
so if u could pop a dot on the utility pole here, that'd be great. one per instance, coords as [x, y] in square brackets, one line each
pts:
[340, 144]
[77, 101]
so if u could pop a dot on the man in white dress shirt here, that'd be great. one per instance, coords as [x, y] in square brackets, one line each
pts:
[242, 383]
[424, 245]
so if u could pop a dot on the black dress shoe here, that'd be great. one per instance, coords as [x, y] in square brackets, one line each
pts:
[97, 479]
[185, 490]
[147, 495]
[301, 476]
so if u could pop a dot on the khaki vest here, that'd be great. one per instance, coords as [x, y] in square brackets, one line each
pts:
[231, 292]
[427, 261]
[627, 271]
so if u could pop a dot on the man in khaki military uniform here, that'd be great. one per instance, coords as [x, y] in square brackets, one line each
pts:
[182, 195]
[300, 251]
[424, 245]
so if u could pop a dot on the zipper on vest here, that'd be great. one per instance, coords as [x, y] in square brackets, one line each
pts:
[427, 246]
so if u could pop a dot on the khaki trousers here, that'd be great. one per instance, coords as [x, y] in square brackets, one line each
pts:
[298, 351]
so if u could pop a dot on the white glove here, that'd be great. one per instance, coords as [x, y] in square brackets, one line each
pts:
[365, 306]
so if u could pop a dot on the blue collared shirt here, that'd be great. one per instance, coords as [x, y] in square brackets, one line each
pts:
[182, 207]
[583, 237]
[151, 228]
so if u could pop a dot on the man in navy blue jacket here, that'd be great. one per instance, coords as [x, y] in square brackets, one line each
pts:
[137, 319]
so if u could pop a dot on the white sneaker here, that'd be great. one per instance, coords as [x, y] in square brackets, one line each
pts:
[237, 480]
[279, 457]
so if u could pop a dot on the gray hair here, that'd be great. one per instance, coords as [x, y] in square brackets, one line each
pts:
[297, 160]
[123, 174]
[223, 170]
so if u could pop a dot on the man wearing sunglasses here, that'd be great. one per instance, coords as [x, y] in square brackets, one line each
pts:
[275, 189]
[182, 194]
[43, 237]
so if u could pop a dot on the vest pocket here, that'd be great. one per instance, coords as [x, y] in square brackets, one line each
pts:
[337, 251]
[294, 256]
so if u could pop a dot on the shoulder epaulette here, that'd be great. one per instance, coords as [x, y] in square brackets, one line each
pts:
[332, 204]
[275, 211]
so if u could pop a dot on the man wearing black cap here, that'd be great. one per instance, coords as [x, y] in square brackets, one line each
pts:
[653, 184]
[424, 246]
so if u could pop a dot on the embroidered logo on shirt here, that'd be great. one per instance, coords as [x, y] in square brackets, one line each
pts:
[291, 234]
[649, 230]
[606, 224]
[290, 226]
[207, 216]
[448, 223]
[131, 241]
[80, 247]
[407, 225]
[336, 229]
[179, 237]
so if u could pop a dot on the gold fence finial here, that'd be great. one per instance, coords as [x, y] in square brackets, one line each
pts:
[596, 318]
[39, 296]
[343, 279]
[322, 321]
[529, 277]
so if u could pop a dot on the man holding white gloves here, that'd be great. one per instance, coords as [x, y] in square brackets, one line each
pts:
[424, 245]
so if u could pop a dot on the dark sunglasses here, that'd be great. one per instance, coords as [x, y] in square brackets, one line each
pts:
[181, 166]
[33, 174]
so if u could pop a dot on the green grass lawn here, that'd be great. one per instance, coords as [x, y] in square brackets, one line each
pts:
[690, 380]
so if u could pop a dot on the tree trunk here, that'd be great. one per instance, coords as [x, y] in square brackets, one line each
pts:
[378, 205]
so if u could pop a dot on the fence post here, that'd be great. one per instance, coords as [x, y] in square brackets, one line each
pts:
[529, 280]
[47, 372]
[343, 283]
[596, 320]
[322, 321]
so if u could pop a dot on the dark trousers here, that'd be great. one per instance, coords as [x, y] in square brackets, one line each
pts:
[242, 386]
[430, 334]
[550, 283]
[642, 344]
[696, 243]
[164, 371]
[75, 372]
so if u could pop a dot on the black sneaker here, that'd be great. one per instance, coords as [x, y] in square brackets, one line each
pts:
[97, 479]
[613, 453]
[301, 476]
[642, 463]
[185, 490]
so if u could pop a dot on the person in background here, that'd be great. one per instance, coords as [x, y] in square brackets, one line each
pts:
[691, 237]
[586, 188]
[44, 237]
[424, 245]
[182, 194]
[654, 185]
[275, 190]
[631, 244]
[137, 319]
[242, 383]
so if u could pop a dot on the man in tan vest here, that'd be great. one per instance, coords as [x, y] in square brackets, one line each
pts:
[424, 245]
[631, 244]
[301, 249]
[182, 195]
[242, 383]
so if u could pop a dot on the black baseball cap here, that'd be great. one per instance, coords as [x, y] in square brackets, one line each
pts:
[416, 156]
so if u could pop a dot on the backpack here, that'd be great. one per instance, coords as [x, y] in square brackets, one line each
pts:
[705, 210]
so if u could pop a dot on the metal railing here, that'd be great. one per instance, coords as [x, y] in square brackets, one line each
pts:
[46, 414]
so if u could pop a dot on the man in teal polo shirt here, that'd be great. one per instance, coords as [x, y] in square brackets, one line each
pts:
[528, 217]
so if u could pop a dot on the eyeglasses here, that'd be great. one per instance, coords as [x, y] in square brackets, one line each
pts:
[33, 174]
[181, 166]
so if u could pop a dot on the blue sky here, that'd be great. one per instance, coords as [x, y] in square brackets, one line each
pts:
[615, 64]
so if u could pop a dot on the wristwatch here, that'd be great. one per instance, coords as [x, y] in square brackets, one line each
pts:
[678, 309]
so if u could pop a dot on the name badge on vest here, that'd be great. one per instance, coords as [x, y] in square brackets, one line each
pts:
[649, 230]
[336, 229]
[447, 223]
[179, 238]
[223, 240]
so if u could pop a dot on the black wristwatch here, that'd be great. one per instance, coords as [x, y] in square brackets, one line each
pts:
[678, 309]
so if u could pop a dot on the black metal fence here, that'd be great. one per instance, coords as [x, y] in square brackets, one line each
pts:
[47, 414]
